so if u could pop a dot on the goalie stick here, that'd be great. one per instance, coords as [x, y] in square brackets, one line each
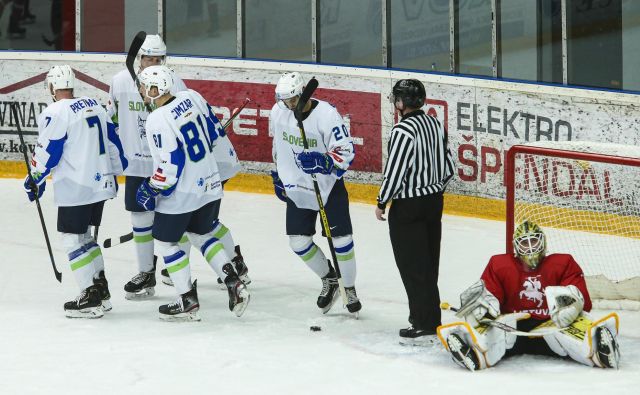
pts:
[110, 242]
[304, 98]
[34, 187]
[505, 327]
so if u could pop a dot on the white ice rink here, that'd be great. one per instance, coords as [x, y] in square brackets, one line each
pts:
[269, 350]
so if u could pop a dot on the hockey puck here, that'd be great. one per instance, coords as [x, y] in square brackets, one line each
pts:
[315, 328]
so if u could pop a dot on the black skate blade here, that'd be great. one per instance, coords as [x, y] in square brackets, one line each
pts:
[419, 341]
[90, 313]
[142, 295]
[180, 317]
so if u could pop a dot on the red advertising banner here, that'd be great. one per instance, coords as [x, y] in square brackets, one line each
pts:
[250, 130]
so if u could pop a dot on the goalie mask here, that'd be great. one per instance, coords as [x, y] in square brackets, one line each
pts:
[59, 77]
[529, 244]
[289, 86]
[158, 76]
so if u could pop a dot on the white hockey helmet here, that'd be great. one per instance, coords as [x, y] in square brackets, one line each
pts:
[153, 46]
[59, 77]
[289, 85]
[158, 76]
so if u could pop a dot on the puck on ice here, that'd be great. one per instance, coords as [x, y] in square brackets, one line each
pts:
[315, 328]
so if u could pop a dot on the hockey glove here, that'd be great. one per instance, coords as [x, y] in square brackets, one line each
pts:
[565, 304]
[37, 186]
[278, 187]
[146, 196]
[315, 162]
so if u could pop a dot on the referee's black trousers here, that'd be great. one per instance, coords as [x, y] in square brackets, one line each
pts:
[415, 226]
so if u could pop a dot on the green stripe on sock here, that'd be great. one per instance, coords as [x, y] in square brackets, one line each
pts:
[346, 257]
[310, 254]
[178, 266]
[86, 260]
[216, 248]
[223, 231]
[143, 238]
[184, 239]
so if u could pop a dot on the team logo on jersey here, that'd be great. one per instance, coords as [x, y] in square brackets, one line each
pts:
[98, 177]
[141, 127]
[200, 181]
[532, 290]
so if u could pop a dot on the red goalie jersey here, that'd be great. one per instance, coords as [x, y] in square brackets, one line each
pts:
[522, 290]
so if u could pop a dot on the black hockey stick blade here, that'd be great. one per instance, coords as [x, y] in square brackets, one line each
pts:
[304, 98]
[108, 243]
[14, 110]
[134, 48]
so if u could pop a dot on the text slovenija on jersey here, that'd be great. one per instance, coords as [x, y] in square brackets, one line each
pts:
[326, 133]
[182, 134]
[128, 112]
[80, 148]
[519, 290]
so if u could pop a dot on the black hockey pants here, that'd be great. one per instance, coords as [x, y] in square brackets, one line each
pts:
[415, 228]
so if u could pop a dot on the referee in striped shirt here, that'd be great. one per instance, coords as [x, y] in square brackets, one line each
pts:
[418, 169]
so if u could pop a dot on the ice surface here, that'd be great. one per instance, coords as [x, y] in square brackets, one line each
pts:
[270, 350]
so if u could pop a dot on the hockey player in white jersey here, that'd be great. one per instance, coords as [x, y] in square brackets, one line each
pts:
[331, 151]
[128, 112]
[81, 151]
[185, 190]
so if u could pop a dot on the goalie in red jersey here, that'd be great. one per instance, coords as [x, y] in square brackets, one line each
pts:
[530, 303]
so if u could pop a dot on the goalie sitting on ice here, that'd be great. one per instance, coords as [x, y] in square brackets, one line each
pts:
[529, 303]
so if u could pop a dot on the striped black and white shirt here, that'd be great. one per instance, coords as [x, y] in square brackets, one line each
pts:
[419, 163]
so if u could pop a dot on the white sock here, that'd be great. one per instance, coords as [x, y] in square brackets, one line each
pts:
[142, 225]
[223, 234]
[177, 264]
[81, 258]
[346, 259]
[213, 251]
[310, 254]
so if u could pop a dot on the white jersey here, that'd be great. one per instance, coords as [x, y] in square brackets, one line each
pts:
[325, 133]
[78, 145]
[182, 134]
[127, 110]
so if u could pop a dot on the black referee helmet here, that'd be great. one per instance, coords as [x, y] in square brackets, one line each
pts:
[410, 91]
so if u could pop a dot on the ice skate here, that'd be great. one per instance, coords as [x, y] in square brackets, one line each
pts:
[166, 279]
[607, 351]
[238, 293]
[461, 353]
[417, 337]
[327, 296]
[241, 269]
[87, 305]
[141, 286]
[184, 309]
[353, 303]
[103, 286]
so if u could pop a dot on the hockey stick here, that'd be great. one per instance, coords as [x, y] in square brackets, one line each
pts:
[108, 243]
[235, 113]
[34, 187]
[302, 102]
[136, 44]
[503, 326]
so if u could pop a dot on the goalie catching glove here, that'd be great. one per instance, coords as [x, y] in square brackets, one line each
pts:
[565, 304]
